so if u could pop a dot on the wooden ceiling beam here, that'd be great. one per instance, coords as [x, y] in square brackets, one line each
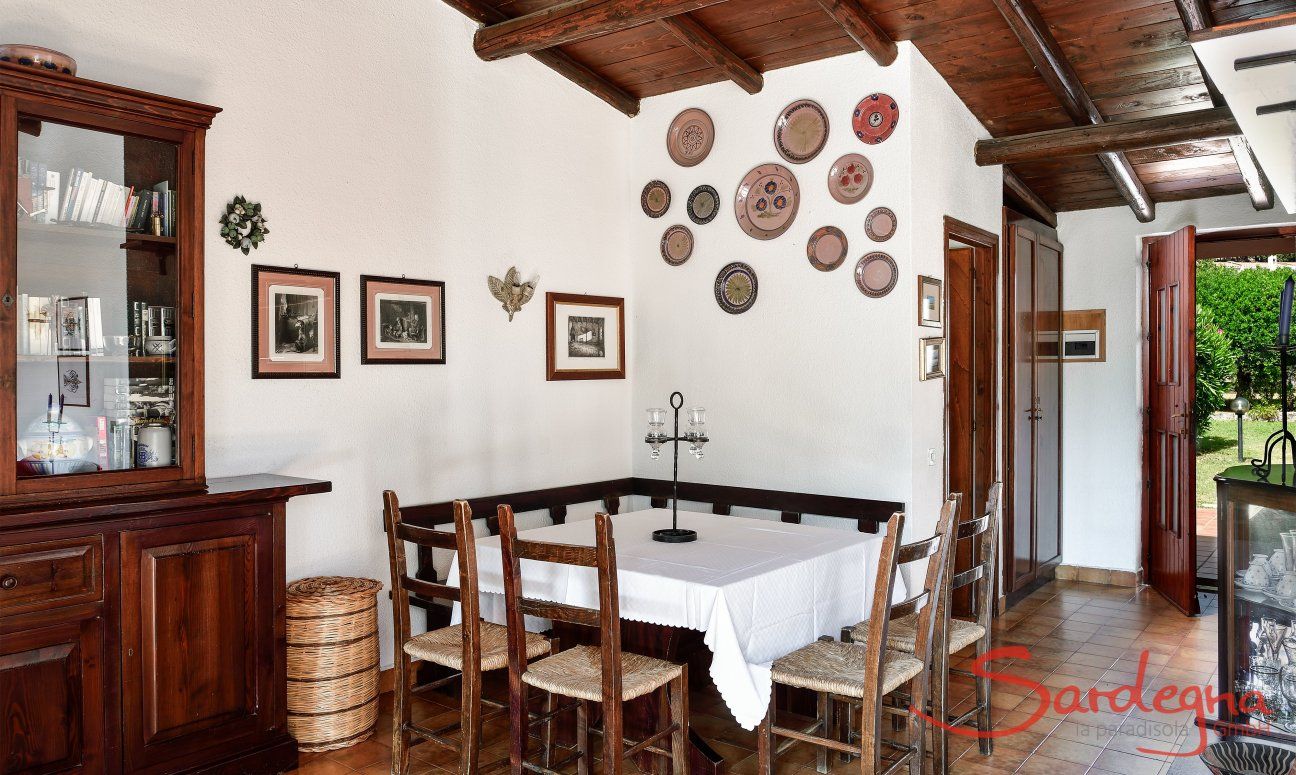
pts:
[1196, 15]
[1246, 25]
[573, 21]
[483, 13]
[1051, 63]
[1258, 186]
[1031, 203]
[862, 29]
[1129, 135]
[706, 45]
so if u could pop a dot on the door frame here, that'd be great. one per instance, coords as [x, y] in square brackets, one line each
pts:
[985, 251]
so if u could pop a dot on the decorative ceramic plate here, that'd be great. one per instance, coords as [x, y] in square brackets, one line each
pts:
[875, 118]
[767, 200]
[826, 248]
[735, 288]
[801, 131]
[850, 178]
[677, 245]
[703, 204]
[876, 275]
[690, 137]
[655, 199]
[1253, 758]
[880, 224]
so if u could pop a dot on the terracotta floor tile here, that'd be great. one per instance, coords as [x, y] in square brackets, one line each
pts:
[1127, 764]
[1046, 765]
[1069, 750]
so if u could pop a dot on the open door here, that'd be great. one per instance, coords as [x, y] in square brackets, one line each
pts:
[1169, 524]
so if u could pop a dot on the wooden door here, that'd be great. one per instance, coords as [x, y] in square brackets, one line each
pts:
[51, 699]
[1019, 531]
[1048, 403]
[1169, 447]
[197, 654]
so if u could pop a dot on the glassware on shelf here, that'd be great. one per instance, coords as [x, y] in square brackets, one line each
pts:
[656, 431]
[1272, 634]
[1266, 680]
[697, 433]
[1287, 684]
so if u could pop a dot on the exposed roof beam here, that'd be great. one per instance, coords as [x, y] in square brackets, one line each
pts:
[1031, 202]
[1246, 25]
[573, 21]
[1196, 14]
[706, 45]
[1264, 60]
[1130, 135]
[481, 12]
[1258, 186]
[1033, 32]
[1277, 107]
[862, 29]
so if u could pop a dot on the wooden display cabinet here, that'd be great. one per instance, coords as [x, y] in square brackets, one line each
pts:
[141, 606]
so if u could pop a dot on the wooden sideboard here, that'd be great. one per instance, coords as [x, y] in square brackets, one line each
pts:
[146, 635]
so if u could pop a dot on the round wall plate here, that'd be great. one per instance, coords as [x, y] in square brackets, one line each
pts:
[801, 131]
[655, 199]
[703, 204]
[876, 275]
[766, 201]
[826, 248]
[677, 245]
[875, 118]
[850, 178]
[690, 137]
[735, 288]
[880, 224]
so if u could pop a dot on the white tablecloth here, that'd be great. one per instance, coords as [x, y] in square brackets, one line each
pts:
[759, 589]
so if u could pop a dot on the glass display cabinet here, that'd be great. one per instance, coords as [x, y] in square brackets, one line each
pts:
[101, 261]
[1257, 583]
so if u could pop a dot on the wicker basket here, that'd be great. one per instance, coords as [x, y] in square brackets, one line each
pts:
[332, 661]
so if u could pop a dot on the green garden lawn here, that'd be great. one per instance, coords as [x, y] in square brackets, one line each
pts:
[1217, 450]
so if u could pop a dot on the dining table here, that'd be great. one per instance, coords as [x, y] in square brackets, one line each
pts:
[756, 589]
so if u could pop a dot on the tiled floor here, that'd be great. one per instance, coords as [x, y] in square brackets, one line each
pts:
[1078, 634]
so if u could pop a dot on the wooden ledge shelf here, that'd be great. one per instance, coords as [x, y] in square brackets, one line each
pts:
[125, 240]
[142, 359]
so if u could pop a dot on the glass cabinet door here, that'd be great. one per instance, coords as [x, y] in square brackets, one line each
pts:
[97, 285]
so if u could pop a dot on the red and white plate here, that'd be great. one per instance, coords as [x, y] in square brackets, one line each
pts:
[875, 118]
[850, 178]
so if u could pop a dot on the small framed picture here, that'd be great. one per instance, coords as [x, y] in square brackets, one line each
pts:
[74, 379]
[402, 321]
[931, 358]
[586, 337]
[72, 321]
[931, 302]
[295, 319]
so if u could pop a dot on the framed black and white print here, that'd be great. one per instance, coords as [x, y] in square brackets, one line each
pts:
[586, 337]
[72, 322]
[74, 379]
[295, 319]
[402, 321]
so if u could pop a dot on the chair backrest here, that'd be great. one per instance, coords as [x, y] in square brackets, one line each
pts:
[462, 542]
[983, 532]
[937, 550]
[607, 617]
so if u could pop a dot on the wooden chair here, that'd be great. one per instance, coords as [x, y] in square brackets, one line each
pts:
[469, 648]
[863, 673]
[588, 674]
[952, 634]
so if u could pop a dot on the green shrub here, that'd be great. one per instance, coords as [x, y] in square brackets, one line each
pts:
[1216, 368]
[1244, 304]
[1265, 411]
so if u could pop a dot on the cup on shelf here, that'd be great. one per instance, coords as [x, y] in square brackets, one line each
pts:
[159, 345]
[153, 446]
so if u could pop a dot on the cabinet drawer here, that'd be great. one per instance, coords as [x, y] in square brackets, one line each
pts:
[50, 574]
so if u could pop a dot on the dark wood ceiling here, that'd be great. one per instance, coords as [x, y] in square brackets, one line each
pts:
[1131, 56]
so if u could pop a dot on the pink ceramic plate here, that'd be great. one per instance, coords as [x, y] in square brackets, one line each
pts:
[881, 224]
[850, 178]
[677, 245]
[801, 131]
[766, 201]
[655, 199]
[826, 248]
[690, 137]
[876, 275]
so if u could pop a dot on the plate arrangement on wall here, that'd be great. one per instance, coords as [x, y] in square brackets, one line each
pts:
[850, 178]
[826, 248]
[677, 245]
[801, 131]
[875, 118]
[735, 288]
[880, 224]
[690, 137]
[655, 199]
[703, 204]
[876, 275]
[766, 201]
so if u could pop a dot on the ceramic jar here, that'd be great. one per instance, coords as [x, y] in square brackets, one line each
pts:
[1287, 586]
[153, 447]
[1258, 574]
[1278, 561]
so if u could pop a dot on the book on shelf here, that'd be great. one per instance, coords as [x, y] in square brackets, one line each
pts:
[38, 328]
[80, 198]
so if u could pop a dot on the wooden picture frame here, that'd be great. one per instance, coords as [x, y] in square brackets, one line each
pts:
[73, 377]
[303, 303]
[72, 325]
[402, 321]
[931, 302]
[578, 342]
[931, 358]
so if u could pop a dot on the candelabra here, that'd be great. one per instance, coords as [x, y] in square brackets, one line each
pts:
[696, 437]
[1282, 439]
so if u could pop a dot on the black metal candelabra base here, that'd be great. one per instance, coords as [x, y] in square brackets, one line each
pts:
[1282, 439]
[674, 535]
